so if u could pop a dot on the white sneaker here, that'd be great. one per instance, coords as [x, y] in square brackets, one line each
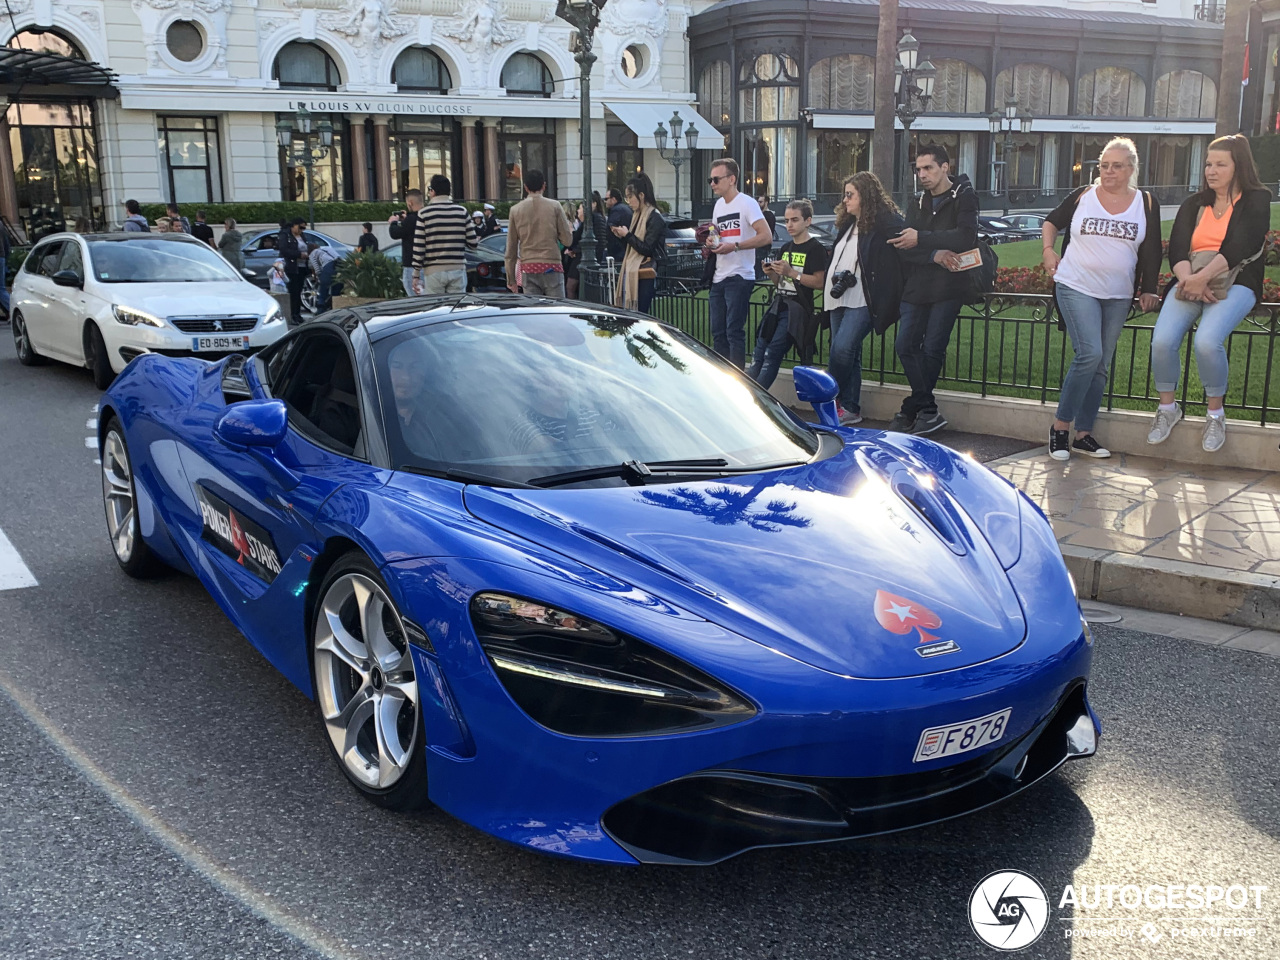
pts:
[1165, 420]
[1215, 434]
[846, 418]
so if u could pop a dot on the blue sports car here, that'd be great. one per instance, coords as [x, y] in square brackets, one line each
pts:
[565, 573]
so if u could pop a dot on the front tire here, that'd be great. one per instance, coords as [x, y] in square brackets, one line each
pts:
[120, 500]
[96, 357]
[27, 355]
[366, 688]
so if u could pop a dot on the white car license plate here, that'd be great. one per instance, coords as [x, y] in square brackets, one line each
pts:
[201, 344]
[961, 737]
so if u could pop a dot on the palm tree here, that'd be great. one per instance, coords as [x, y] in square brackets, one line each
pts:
[1234, 29]
[725, 505]
[882, 158]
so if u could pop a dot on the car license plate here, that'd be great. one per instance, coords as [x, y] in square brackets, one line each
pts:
[201, 344]
[936, 742]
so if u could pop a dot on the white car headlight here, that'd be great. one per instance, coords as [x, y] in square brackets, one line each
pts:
[135, 317]
[273, 315]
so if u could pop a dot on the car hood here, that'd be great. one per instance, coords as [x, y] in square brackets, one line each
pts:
[189, 299]
[839, 564]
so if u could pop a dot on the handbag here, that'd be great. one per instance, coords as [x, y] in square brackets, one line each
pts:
[1220, 285]
[648, 269]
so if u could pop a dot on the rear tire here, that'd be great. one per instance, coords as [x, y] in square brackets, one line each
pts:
[366, 687]
[27, 355]
[96, 357]
[119, 498]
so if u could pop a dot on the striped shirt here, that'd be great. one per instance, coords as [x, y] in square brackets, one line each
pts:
[444, 232]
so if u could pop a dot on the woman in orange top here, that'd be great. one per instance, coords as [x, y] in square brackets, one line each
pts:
[1229, 217]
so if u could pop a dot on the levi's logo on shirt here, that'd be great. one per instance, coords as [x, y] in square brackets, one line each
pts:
[730, 226]
[1105, 227]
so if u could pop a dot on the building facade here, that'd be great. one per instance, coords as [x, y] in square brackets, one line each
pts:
[479, 90]
[791, 86]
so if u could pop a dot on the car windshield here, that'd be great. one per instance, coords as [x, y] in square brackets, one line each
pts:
[157, 260]
[523, 396]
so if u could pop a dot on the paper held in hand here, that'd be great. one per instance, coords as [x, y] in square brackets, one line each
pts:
[968, 260]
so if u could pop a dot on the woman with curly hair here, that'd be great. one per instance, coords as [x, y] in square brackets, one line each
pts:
[867, 276]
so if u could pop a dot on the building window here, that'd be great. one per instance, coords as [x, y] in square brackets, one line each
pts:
[1111, 92]
[304, 66]
[768, 98]
[47, 41]
[420, 149]
[837, 155]
[189, 159]
[624, 157]
[526, 145]
[1186, 94]
[524, 75]
[55, 161]
[634, 61]
[769, 90]
[184, 41]
[846, 83]
[1040, 90]
[328, 178]
[715, 92]
[1086, 151]
[419, 69]
[958, 88]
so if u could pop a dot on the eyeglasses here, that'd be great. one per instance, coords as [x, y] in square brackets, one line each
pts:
[849, 195]
[714, 180]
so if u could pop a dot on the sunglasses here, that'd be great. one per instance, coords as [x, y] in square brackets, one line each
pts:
[714, 180]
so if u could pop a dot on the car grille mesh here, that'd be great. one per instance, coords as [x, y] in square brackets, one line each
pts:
[214, 324]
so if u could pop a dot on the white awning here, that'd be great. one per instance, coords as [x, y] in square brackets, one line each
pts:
[643, 117]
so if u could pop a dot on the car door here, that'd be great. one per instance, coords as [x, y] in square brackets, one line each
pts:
[259, 254]
[67, 310]
[36, 297]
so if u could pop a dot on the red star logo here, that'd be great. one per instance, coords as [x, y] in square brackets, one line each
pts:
[900, 615]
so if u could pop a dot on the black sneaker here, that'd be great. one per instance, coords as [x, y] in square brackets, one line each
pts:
[927, 423]
[1059, 444]
[901, 423]
[1090, 447]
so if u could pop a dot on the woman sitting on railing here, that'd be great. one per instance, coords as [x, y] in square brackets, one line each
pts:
[1111, 252]
[646, 241]
[1215, 250]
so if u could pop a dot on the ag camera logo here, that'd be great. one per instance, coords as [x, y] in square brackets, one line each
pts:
[1008, 910]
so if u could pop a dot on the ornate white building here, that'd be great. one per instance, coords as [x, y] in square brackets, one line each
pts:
[478, 90]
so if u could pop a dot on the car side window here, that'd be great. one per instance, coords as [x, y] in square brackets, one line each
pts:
[314, 239]
[318, 386]
[72, 258]
[264, 243]
[44, 260]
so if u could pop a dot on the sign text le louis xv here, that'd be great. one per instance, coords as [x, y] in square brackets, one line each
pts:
[345, 105]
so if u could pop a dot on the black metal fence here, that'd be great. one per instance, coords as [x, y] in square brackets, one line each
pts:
[1010, 345]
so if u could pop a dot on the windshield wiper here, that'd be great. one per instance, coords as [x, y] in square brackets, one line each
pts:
[637, 473]
[464, 476]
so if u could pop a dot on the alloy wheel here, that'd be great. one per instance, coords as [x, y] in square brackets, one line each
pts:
[117, 495]
[365, 682]
[21, 340]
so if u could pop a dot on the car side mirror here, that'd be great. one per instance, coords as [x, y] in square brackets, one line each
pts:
[253, 423]
[819, 388]
[67, 278]
[248, 273]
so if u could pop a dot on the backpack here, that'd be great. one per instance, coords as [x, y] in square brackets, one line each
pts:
[984, 277]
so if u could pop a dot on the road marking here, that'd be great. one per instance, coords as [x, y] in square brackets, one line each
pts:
[255, 900]
[14, 574]
[91, 442]
[95, 408]
[92, 424]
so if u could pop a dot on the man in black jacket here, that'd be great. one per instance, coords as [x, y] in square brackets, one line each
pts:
[619, 216]
[942, 221]
[403, 226]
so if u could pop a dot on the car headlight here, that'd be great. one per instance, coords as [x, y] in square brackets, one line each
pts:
[273, 315]
[578, 677]
[135, 317]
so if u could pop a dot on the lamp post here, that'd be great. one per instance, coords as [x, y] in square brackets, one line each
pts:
[1003, 126]
[584, 16]
[677, 156]
[304, 147]
[913, 89]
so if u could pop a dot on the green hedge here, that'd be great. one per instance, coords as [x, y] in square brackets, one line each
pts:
[274, 212]
[1266, 153]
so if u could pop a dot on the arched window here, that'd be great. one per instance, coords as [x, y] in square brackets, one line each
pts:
[418, 68]
[1041, 90]
[769, 89]
[1185, 93]
[524, 75]
[1111, 92]
[305, 66]
[959, 88]
[46, 41]
[768, 111]
[714, 93]
[846, 82]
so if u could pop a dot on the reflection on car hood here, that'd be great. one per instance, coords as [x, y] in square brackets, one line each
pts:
[809, 561]
[189, 299]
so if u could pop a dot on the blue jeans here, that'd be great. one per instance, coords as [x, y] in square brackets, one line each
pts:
[1217, 320]
[1094, 328]
[406, 281]
[728, 306]
[769, 353]
[849, 328]
[324, 286]
[924, 330]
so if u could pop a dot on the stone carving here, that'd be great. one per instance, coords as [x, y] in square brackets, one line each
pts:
[481, 27]
[90, 17]
[635, 18]
[368, 23]
[269, 25]
[207, 6]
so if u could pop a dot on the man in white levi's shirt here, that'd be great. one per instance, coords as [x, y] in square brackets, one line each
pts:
[738, 228]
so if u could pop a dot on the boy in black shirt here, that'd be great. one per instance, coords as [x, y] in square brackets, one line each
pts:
[800, 269]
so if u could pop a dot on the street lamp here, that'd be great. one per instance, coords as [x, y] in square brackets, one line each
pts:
[584, 16]
[677, 156]
[1003, 125]
[912, 89]
[306, 148]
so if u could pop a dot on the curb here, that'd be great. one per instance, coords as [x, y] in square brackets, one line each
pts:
[1175, 586]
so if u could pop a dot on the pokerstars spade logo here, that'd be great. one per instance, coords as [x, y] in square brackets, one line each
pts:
[1008, 910]
[899, 615]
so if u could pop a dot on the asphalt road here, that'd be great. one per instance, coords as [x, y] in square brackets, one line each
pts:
[165, 793]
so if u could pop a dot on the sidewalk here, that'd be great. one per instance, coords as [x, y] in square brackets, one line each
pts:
[1196, 540]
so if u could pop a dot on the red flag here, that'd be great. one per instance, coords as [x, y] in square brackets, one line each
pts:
[901, 616]
[1244, 80]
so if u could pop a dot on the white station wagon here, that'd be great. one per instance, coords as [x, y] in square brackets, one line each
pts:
[99, 300]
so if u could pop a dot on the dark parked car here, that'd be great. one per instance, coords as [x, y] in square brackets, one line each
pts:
[1001, 230]
[485, 267]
